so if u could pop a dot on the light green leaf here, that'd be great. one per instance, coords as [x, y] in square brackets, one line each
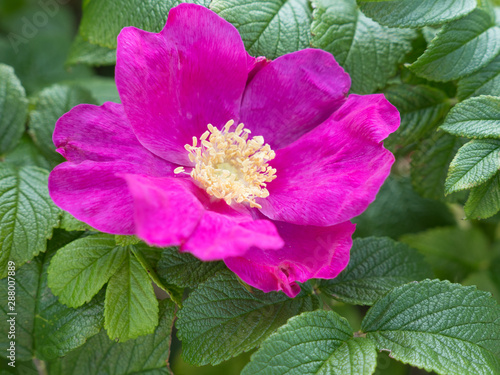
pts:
[184, 270]
[485, 81]
[147, 355]
[319, 343]
[448, 251]
[367, 51]
[376, 266]
[79, 270]
[430, 163]
[13, 109]
[44, 327]
[70, 223]
[102, 88]
[103, 20]
[411, 13]
[438, 326]
[477, 117]
[476, 162]
[27, 214]
[268, 28]
[484, 200]
[421, 108]
[51, 104]
[126, 240]
[221, 318]
[27, 154]
[84, 52]
[131, 307]
[460, 48]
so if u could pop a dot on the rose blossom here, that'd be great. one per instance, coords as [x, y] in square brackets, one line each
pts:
[257, 163]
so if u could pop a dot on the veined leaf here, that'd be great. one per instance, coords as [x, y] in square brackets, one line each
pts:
[475, 163]
[221, 318]
[484, 200]
[485, 81]
[376, 266]
[84, 52]
[460, 48]
[368, 52]
[13, 109]
[477, 117]
[27, 214]
[268, 28]
[438, 326]
[410, 13]
[319, 343]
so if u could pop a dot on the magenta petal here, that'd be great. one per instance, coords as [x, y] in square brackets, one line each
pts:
[173, 84]
[221, 235]
[93, 193]
[166, 211]
[309, 252]
[103, 133]
[334, 172]
[293, 94]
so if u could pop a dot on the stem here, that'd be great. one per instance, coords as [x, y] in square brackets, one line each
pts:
[40, 366]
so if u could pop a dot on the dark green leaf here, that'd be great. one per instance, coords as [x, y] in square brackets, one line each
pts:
[51, 104]
[27, 154]
[27, 214]
[13, 109]
[131, 307]
[484, 200]
[376, 266]
[476, 162]
[369, 52]
[79, 270]
[319, 343]
[83, 52]
[268, 28]
[438, 326]
[184, 270]
[411, 13]
[460, 48]
[477, 117]
[222, 318]
[485, 81]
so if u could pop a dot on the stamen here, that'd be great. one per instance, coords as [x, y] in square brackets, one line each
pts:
[230, 166]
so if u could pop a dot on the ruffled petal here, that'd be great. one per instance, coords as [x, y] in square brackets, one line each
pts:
[103, 133]
[292, 95]
[94, 194]
[166, 211]
[173, 84]
[309, 252]
[334, 172]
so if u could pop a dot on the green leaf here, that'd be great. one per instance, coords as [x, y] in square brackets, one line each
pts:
[448, 251]
[103, 20]
[398, 210]
[369, 52]
[430, 163]
[460, 48]
[79, 270]
[222, 318]
[102, 88]
[13, 109]
[476, 162]
[484, 200]
[438, 326]
[184, 270]
[51, 104]
[146, 355]
[421, 108]
[411, 13]
[485, 81]
[27, 154]
[70, 223]
[319, 343]
[477, 117]
[131, 307]
[44, 327]
[126, 240]
[27, 214]
[268, 28]
[83, 52]
[376, 266]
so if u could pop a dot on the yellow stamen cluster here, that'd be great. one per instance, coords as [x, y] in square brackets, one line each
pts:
[230, 166]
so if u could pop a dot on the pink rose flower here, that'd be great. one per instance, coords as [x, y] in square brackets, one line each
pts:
[257, 163]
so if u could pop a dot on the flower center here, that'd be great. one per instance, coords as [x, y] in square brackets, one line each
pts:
[230, 166]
